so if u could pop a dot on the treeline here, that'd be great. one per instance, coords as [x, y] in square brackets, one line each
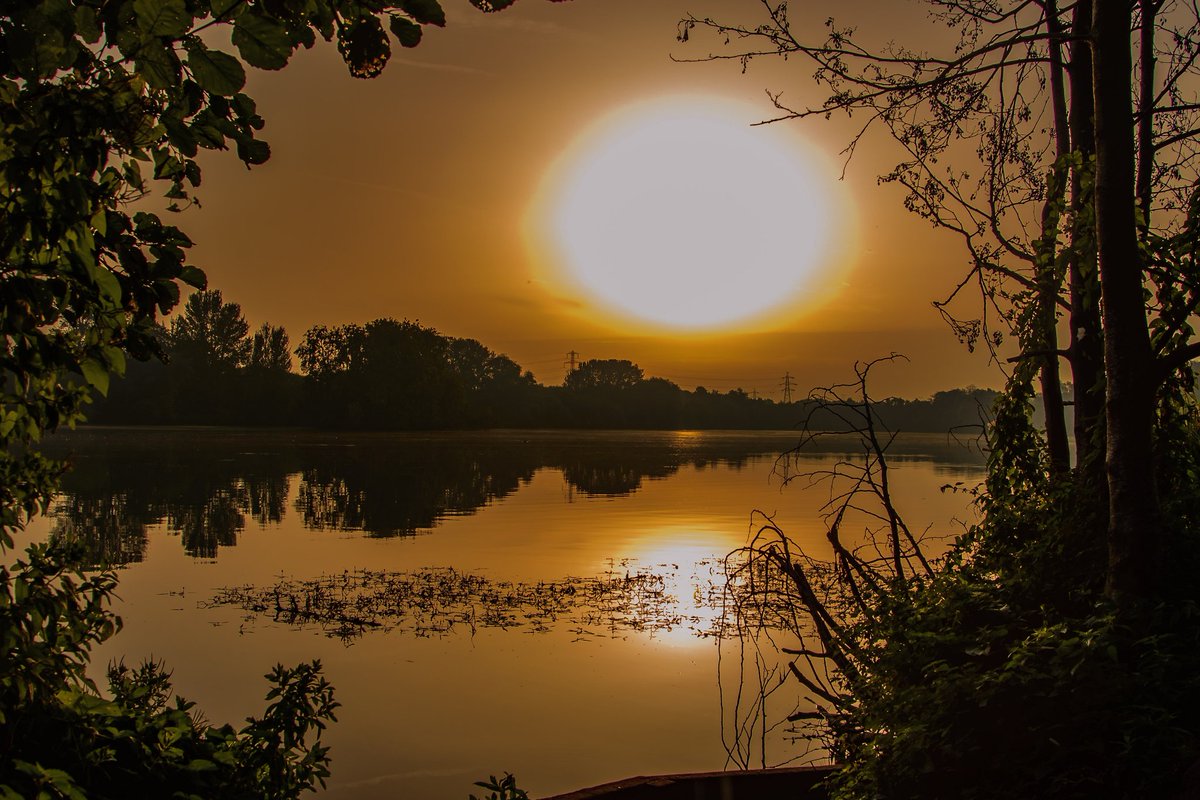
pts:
[400, 375]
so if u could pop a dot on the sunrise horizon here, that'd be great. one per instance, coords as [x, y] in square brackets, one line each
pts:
[385, 209]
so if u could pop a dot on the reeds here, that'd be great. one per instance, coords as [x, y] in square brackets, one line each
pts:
[440, 601]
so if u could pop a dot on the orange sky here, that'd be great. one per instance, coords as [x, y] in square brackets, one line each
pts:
[408, 195]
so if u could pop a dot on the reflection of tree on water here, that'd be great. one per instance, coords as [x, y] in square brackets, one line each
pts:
[613, 472]
[207, 523]
[112, 531]
[608, 480]
[400, 491]
[204, 486]
[267, 496]
[212, 524]
[117, 490]
[103, 526]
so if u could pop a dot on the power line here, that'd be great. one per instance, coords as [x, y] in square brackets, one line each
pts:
[787, 387]
[570, 364]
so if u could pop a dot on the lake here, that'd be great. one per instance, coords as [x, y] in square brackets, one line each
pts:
[541, 603]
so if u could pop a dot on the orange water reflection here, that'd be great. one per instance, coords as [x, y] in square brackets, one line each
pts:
[427, 716]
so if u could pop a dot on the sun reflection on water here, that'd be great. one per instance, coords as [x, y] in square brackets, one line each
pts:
[691, 562]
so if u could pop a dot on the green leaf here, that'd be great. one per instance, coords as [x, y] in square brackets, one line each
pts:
[426, 12]
[87, 24]
[110, 287]
[226, 9]
[116, 360]
[36, 49]
[96, 374]
[157, 64]
[262, 41]
[244, 105]
[216, 72]
[407, 32]
[162, 17]
[253, 151]
[364, 47]
[99, 221]
[194, 276]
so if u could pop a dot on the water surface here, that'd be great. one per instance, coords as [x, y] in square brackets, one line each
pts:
[432, 703]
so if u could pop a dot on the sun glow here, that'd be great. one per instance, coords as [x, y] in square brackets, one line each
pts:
[689, 561]
[679, 213]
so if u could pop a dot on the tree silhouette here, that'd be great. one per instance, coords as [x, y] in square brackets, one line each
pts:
[609, 373]
[1069, 172]
[211, 333]
[270, 350]
[324, 351]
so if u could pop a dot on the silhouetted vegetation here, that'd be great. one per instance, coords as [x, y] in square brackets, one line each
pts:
[1053, 651]
[102, 104]
[437, 602]
[389, 375]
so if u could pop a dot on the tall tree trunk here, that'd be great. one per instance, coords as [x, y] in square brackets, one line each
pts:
[1087, 339]
[1133, 537]
[1145, 127]
[1049, 278]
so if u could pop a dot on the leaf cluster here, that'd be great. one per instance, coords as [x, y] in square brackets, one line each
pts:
[59, 737]
[1000, 668]
[503, 789]
[103, 102]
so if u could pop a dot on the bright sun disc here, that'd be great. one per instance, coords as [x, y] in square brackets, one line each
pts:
[679, 212]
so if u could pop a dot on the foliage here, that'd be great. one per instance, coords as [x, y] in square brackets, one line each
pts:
[61, 738]
[1052, 651]
[100, 102]
[504, 789]
[999, 668]
[607, 373]
[1008, 671]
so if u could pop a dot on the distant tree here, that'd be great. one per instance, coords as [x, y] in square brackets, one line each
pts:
[387, 374]
[607, 373]
[497, 392]
[599, 393]
[406, 381]
[211, 332]
[270, 349]
[208, 344]
[656, 403]
[269, 393]
[471, 361]
[479, 366]
[325, 351]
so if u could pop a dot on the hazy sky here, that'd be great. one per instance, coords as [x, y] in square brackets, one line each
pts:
[422, 194]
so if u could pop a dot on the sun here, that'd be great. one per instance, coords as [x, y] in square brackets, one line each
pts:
[678, 212]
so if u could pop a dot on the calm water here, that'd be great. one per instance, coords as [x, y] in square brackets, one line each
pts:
[485, 621]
